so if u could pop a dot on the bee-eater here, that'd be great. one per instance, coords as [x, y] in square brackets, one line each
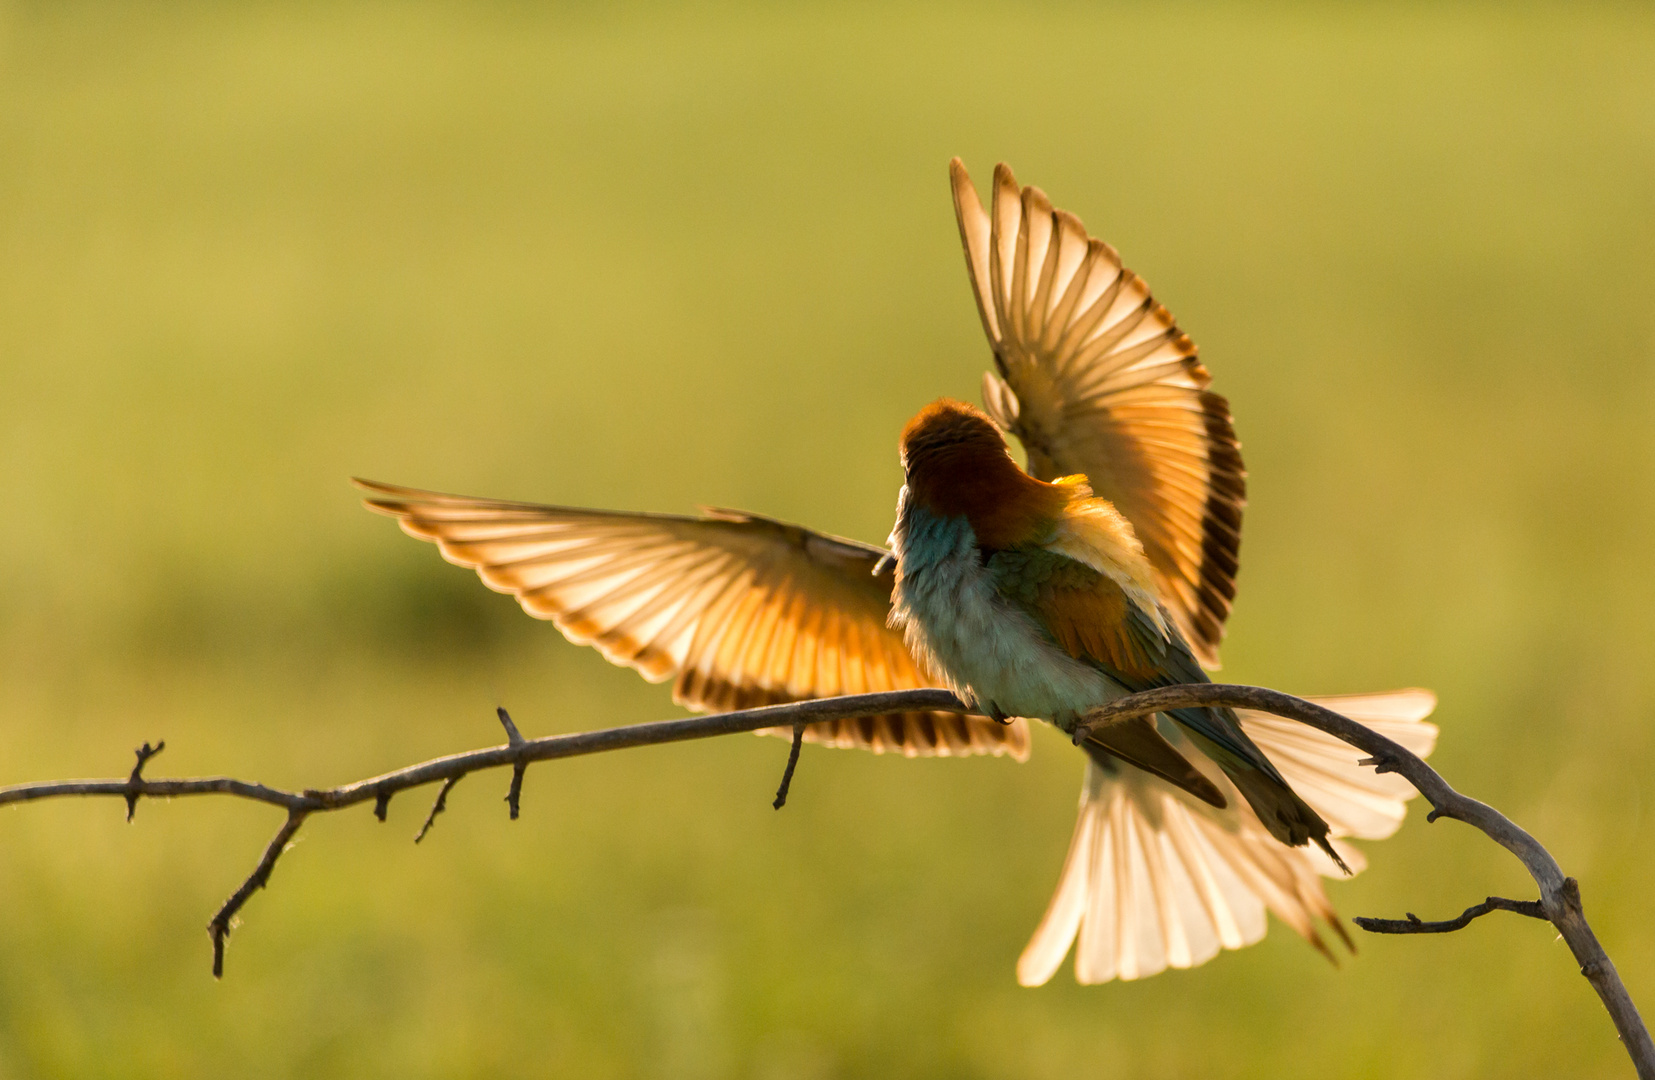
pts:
[1109, 566]
[1035, 599]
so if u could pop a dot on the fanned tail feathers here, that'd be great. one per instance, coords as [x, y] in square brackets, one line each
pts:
[1155, 878]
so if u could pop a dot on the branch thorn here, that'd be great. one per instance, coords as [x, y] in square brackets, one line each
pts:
[513, 736]
[515, 796]
[144, 753]
[792, 763]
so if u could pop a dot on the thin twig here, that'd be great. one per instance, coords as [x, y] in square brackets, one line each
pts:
[514, 794]
[219, 928]
[1559, 895]
[513, 736]
[1412, 924]
[792, 763]
[439, 806]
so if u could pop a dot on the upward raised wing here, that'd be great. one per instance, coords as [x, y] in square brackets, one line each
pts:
[741, 610]
[1095, 377]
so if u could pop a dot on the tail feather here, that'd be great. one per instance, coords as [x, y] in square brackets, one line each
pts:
[1137, 743]
[1155, 878]
[1355, 801]
[1287, 816]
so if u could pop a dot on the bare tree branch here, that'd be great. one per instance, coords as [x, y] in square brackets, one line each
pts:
[518, 753]
[1559, 901]
[1559, 895]
[548, 748]
[1412, 924]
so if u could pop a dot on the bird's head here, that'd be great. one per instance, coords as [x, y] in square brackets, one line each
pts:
[957, 464]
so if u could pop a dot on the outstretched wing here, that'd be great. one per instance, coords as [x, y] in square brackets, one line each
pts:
[1094, 377]
[738, 609]
[1155, 878]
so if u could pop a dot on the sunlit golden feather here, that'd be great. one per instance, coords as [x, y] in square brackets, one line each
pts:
[1093, 376]
[738, 609]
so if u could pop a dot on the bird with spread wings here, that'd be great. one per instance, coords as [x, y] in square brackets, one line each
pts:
[1094, 377]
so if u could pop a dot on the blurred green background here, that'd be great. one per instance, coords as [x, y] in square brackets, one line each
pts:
[645, 258]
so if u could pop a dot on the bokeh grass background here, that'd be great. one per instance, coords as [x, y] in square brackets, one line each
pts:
[644, 257]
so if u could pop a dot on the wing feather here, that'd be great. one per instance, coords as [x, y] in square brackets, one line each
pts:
[738, 610]
[1095, 377]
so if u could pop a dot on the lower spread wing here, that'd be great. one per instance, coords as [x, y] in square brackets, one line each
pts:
[739, 610]
[1095, 377]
